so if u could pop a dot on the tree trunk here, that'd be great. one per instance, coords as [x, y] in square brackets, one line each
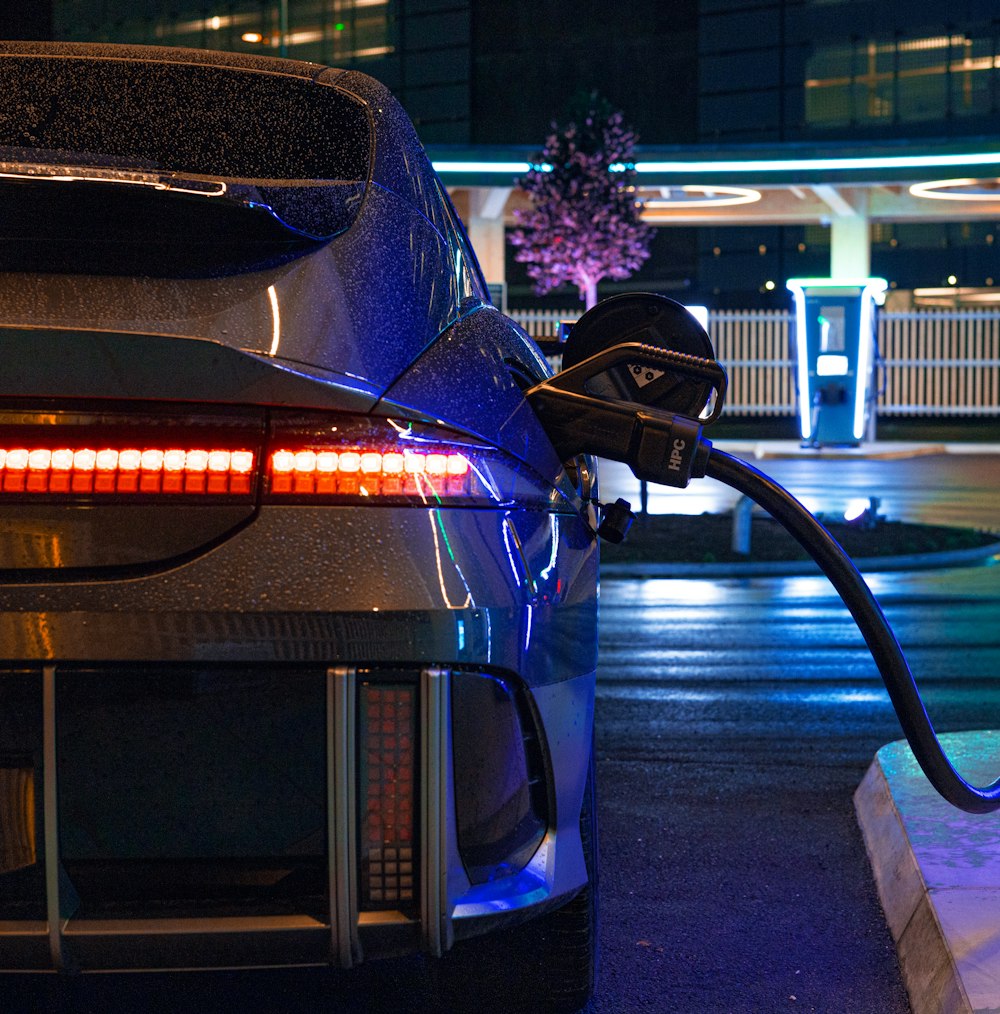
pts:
[589, 292]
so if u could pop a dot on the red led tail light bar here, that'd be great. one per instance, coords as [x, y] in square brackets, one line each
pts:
[369, 471]
[274, 456]
[129, 470]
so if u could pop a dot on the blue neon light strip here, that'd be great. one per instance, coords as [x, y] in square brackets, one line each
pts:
[872, 292]
[782, 165]
[512, 168]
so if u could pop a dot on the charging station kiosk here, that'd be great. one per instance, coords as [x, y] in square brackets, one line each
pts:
[835, 357]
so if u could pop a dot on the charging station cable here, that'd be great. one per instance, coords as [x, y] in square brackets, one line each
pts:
[874, 627]
[583, 413]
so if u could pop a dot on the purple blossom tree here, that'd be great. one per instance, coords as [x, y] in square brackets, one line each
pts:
[584, 222]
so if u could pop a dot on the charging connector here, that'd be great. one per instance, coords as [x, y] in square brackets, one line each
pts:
[659, 445]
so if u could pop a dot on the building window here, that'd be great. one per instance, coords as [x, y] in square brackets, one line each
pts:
[340, 32]
[902, 80]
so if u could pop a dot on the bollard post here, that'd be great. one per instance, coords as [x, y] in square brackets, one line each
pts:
[742, 519]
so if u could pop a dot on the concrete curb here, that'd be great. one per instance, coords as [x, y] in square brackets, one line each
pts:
[882, 450]
[762, 450]
[973, 557]
[937, 870]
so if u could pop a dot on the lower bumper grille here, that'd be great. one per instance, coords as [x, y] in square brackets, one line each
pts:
[189, 791]
[201, 888]
[169, 803]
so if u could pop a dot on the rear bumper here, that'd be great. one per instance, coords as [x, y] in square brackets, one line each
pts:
[333, 928]
[514, 590]
[468, 591]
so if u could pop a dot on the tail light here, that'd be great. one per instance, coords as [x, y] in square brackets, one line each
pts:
[388, 795]
[345, 459]
[129, 469]
[315, 458]
[123, 456]
[371, 471]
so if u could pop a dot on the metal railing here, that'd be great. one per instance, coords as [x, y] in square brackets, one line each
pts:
[933, 362]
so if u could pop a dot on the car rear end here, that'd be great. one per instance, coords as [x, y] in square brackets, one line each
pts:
[294, 670]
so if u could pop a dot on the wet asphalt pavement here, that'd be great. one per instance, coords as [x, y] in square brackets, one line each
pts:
[735, 720]
[736, 879]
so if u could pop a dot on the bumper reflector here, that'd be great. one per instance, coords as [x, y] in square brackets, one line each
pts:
[387, 796]
[17, 816]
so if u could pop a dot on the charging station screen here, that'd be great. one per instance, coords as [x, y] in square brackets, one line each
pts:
[831, 329]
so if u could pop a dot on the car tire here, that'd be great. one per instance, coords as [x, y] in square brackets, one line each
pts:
[546, 966]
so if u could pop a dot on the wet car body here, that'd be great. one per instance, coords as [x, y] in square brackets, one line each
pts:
[297, 603]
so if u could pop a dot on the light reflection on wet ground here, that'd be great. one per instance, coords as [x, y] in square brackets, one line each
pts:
[944, 489]
[735, 718]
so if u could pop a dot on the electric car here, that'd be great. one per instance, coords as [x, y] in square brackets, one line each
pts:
[297, 600]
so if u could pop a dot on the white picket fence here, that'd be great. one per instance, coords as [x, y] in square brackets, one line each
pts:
[932, 362]
[543, 323]
[754, 346]
[940, 362]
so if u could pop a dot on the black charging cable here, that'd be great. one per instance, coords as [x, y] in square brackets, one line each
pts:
[874, 627]
[661, 444]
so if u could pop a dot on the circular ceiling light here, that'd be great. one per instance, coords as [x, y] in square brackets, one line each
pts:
[697, 197]
[958, 190]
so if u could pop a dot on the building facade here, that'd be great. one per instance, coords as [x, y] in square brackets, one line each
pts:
[719, 78]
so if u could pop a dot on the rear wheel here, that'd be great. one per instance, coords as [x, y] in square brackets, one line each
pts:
[546, 966]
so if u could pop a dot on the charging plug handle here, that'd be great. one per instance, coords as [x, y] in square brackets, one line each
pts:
[658, 445]
[874, 627]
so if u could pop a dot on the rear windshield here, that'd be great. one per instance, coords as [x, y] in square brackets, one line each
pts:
[222, 122]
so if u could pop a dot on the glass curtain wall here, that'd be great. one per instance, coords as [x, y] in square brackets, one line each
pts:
[326, 31]
[420, 49]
